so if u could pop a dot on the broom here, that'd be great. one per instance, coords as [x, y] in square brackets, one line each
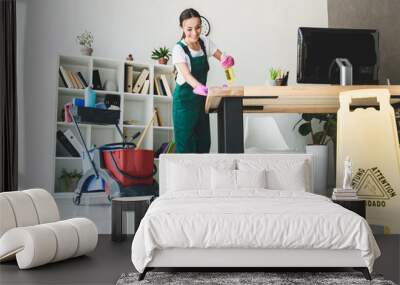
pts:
[145, 131]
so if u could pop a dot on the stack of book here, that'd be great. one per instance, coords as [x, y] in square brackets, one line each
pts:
[72, 79]
[344, 194]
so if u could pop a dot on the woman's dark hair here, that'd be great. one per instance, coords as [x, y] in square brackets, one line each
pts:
[187, 14]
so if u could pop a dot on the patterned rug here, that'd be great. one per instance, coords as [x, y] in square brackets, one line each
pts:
[244, 278]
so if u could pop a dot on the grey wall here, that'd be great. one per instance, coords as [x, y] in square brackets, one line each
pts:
[383, 15]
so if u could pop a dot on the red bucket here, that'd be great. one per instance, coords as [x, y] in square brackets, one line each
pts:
[130, 166]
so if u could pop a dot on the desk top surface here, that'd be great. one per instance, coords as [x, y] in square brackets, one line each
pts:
[305, 98]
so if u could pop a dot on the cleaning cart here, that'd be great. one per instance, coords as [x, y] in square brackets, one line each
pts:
[123, 168]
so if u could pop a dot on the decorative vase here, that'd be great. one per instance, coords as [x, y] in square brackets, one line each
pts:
[320, 168]
[86, 51]
[162, 61]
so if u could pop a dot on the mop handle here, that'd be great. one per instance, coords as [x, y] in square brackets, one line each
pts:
[145, 131]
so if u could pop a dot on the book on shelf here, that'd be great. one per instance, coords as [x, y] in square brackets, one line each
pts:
[61, 151]
[158, 117]
[65, 77]
[72, 78]
[340, 198]
[77, 80]
[167, 147]
[146, 87]
[74, 141]
[63, 140]
[170, 147]
[62, 78]
[165, 84]
[162, 87]
[156, 87]
[128, 78]
[341, 190]
[344, 194]
[82, 79]
[164, 147]
[96, 80]
[140, 81]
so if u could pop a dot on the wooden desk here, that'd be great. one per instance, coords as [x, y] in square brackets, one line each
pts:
[231, 102]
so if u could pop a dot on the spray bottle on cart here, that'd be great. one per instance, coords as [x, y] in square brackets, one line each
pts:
[90, 97]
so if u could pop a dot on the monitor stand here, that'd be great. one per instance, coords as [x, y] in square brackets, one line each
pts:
[346, 71]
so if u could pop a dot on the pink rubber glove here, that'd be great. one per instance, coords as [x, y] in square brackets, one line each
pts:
[201, 90]
[227, 61]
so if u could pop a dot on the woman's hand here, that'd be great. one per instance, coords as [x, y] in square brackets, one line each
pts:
[227, 61]
[201, 90]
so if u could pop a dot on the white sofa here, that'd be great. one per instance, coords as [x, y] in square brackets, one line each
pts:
[31, 232]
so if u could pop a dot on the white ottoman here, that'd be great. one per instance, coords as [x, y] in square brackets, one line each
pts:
[31, 233]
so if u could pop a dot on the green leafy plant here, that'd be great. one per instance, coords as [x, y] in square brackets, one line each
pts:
[273, 73]
[322, 137]
[85, 39]
[69, 178]
[161, 53]
[277, 74]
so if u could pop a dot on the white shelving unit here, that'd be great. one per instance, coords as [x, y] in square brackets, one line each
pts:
[137, 108]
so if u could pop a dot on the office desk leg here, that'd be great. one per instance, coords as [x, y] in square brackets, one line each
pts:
[230, 126]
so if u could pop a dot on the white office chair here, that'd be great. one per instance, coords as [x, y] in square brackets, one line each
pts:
[262, 135]
[31, 232]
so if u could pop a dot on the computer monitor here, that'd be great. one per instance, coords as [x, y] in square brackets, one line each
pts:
[319, 47]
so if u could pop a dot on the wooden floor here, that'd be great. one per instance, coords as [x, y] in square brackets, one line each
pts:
[110, 260]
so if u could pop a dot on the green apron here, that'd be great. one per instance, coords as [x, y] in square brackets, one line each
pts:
[191, 122]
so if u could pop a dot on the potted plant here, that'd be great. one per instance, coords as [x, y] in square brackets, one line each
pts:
[69, 180]
[85, 40]
[278, 77]
[161, 54]
[318, 148]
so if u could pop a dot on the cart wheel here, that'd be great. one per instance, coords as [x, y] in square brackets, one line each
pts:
[76, 200]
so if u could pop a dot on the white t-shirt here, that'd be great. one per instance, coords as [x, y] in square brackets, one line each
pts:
[179, 55]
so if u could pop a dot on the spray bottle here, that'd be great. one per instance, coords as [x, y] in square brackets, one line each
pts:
[90, 97]
[230, 75]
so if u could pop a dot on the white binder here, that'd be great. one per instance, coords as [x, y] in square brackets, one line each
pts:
[74, 141]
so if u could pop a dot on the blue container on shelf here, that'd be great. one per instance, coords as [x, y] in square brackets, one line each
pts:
[90, 97]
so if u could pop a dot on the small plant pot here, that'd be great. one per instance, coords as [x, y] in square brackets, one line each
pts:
[68, 185]
[162, 61]
[86, 51]
[277, 82]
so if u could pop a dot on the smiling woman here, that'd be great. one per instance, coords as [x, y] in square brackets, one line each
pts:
[190, 56]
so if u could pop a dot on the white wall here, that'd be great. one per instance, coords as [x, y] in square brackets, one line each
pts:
[259, 34]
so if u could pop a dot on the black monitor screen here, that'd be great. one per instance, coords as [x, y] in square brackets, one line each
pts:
[319, 47]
